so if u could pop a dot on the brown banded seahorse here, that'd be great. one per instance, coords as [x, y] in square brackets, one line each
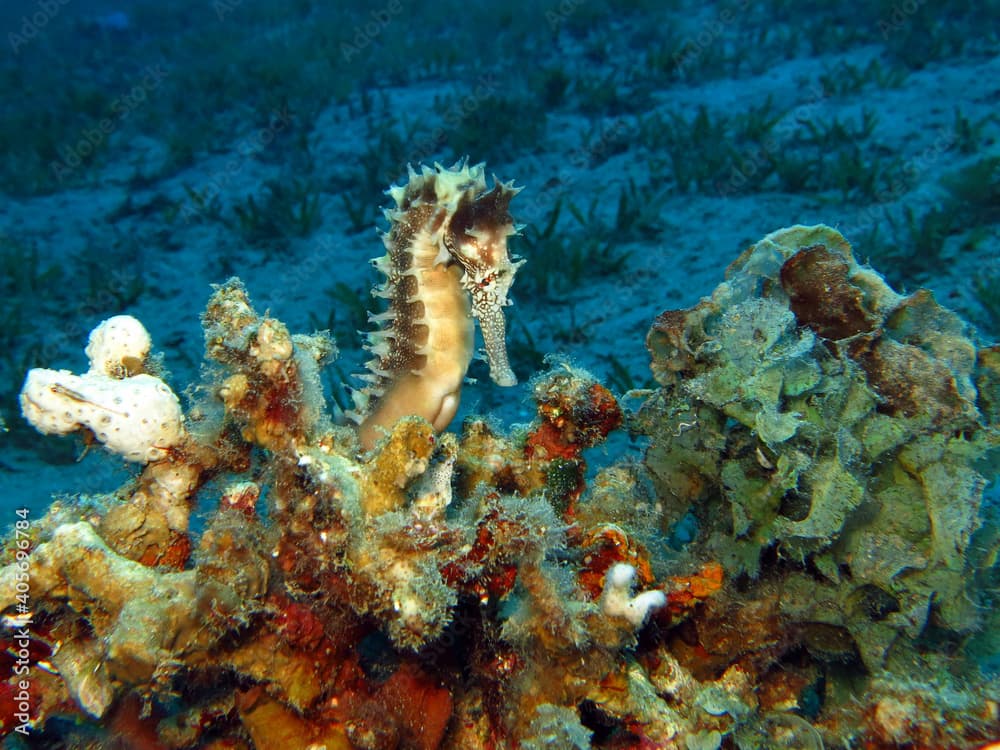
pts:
[446, 264]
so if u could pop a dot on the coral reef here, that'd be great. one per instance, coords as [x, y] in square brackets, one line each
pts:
[794, 564]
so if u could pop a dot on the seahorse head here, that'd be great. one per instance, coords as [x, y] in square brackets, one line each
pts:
[477, 240]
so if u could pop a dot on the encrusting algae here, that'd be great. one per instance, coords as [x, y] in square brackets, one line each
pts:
[799, 560]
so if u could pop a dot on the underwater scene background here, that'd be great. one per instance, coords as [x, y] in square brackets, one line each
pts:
[680, 432]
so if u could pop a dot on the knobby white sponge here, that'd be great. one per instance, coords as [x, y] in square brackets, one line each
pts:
[617, 599]
[118, 347]
[136, 416]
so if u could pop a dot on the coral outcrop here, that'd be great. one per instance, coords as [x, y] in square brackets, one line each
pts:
[826, 438]
[806, 517]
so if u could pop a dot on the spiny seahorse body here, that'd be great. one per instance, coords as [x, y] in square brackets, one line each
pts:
[446, 264]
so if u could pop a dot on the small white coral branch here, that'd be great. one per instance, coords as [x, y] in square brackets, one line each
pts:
[617, 599]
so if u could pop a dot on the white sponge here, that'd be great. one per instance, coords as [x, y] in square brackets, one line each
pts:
[617, 599]
[118, 347]
[137, 417]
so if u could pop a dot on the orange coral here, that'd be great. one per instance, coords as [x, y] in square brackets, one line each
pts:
[175, 555]
[604, 546]
[685, 592]
[572, 419]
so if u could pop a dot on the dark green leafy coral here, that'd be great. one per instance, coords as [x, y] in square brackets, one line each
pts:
[809, 411]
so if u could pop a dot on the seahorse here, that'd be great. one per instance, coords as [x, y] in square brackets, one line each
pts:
[446, 265]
